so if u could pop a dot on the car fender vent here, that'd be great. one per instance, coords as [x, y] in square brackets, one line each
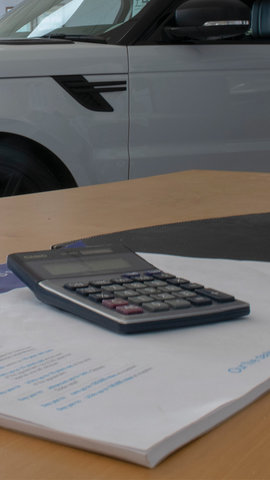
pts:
[89, 94]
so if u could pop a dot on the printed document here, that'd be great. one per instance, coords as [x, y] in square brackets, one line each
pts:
[137, 397]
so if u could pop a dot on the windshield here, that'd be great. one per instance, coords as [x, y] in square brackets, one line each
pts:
[39, 18]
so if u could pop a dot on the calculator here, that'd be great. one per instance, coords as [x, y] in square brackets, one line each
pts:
[115, 288]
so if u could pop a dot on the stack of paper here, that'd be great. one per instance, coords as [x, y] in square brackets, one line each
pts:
[137, 397]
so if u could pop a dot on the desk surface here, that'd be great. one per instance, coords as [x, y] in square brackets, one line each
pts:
[239, 448]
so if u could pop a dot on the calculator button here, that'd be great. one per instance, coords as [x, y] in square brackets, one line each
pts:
[122, 280]
[140, 299]
[86, 291]
[157, 283]
[129, 309]
[178, 303]
[163, 276]
[143, 278]
[136, 285]
[216, 295]
[185, 294]
[192, 286]
[114, 302]
[77, 284]
[127, 293]
[149, 291]
[131, 274]
[98, 297]
[177, 281]
[171, 289]
[153, 271]
[163, 296]
[200, 301]
[155, 306]
[100, 283]
[113, 288]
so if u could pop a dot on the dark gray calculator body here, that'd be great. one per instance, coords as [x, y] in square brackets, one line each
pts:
[113, 287]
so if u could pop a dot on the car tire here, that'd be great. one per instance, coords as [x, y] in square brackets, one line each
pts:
[21, 172]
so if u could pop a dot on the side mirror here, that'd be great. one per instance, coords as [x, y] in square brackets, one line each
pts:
[210, 19]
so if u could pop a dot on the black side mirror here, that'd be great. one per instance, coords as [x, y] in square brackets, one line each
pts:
[210, 19]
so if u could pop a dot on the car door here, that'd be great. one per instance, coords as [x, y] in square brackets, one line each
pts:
[199, 105]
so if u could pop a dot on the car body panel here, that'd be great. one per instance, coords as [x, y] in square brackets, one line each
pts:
[199, 106]
[39, 60]
[93, 145]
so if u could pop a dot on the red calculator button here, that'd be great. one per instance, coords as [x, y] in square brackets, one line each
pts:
[129, 309]
[114, 302]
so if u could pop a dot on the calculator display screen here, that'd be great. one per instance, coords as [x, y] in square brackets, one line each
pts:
[85, 266]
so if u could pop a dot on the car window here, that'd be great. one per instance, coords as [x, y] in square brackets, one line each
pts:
[36, 18]
[76, 13]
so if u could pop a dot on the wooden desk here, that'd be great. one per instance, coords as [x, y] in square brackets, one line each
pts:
[236, 450]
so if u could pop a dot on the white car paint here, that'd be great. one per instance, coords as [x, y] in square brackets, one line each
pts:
[93, 145]
[199, 106]
[184, 106]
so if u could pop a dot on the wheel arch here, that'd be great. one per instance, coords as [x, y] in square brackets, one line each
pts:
[44, 155]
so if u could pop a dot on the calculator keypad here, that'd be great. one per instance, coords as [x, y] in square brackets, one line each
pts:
[152, 291]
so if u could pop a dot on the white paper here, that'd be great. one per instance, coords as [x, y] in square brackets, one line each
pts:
[124, 395]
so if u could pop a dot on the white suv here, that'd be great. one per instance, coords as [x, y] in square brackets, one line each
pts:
[93, 91]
